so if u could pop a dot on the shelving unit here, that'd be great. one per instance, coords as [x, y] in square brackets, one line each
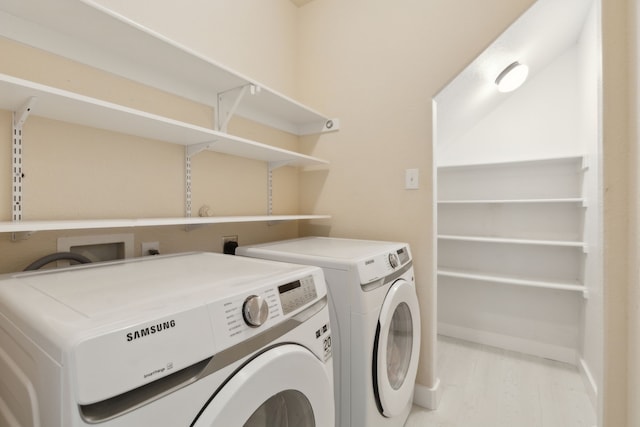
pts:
[511, 253]
[84, 31]
[512, 280]
[512, 203]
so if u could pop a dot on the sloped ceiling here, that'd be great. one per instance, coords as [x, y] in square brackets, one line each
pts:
[539, 36]
[300, 2]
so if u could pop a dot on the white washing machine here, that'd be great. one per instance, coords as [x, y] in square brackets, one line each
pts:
[194, 340]
[375, 321]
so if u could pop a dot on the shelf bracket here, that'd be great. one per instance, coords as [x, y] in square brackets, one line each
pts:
[228, 102]
[271, 167]
[17, 174]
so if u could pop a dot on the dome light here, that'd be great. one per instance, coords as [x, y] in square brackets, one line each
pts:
[512, 77]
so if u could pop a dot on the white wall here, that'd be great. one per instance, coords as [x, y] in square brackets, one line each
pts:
[538, 120]
[590, 82]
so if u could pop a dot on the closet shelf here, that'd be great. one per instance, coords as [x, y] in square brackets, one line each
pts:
[29, 226]
[578, 200]
[532, 242]
[517, 163]
[511, 280]
[57, 104]
[87, 32]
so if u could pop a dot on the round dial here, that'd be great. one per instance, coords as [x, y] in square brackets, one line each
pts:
[255, 310]
[394, 261]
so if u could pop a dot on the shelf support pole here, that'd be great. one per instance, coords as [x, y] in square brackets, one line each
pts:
[17, 174]
[228, 102]
[190, 151]
[271, 167]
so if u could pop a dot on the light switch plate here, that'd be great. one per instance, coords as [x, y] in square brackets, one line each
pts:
[411, 179]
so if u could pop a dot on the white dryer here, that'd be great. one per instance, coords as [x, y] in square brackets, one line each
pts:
[375, 321]
[194, 340]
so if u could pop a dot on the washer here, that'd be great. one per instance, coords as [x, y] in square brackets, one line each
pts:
[194, 340]
[376, 322]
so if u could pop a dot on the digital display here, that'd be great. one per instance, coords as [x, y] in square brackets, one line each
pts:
[403, 255]
[289, 286]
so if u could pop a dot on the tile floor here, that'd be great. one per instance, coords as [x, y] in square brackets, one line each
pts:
[489, 387]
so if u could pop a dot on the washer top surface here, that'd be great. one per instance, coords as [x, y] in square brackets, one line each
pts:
[95, 291]
[370, 259]
[339, 249]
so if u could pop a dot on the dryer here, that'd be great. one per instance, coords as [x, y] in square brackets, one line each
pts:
[375, 321]
[194, 340]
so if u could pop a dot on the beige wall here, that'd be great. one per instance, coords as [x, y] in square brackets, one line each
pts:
[634, 244]
[618, 199]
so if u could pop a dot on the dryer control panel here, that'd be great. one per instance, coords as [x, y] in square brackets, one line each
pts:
[244, 315]
[297, 293]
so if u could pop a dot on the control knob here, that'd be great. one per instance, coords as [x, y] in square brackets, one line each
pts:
[394, 261]
[255, 310]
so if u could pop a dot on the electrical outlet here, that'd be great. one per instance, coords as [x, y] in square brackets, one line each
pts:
[150, 248]
[229, 244]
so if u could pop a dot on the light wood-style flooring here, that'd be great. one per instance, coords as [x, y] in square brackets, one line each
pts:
[490, 387]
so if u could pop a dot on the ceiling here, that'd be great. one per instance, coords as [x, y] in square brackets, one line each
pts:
[539, 36]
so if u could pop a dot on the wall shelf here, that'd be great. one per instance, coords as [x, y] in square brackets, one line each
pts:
[57, 104]
[31, 226]
[518, 163]
[511, 280]
[577, 200]
[87, 32]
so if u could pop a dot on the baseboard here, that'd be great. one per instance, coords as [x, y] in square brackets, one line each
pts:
[507, 342]
[589, 383]
[428, 398]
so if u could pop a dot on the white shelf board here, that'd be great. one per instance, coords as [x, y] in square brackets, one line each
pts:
[514, 201]
[29, 226]
[87, 32]
[510, 280]
[512, 241]
[70, 107]
[508, 163]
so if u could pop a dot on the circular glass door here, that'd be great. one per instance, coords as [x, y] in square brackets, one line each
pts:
[285, 386]
[399, 345]
[285, 409]
[397, 349]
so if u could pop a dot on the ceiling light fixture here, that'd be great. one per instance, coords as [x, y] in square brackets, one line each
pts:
[512, 77]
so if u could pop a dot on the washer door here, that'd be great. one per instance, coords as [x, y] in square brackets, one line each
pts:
[284, 386]
[396, 349]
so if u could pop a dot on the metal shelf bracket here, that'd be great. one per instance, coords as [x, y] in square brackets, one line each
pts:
[228, 102]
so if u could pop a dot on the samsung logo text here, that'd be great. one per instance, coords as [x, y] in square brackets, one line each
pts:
[150, 330]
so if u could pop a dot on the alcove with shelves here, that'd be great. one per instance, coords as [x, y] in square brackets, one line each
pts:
[512, 233]
[112, 43]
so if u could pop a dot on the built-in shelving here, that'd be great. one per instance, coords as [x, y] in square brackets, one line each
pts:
[577, 200]
[511, 280]
[529, 211]
[483, 239]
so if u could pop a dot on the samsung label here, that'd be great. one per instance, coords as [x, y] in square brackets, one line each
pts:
[150, 330]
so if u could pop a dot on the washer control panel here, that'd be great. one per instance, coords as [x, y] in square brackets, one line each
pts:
[249, 314]
[297, 293]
